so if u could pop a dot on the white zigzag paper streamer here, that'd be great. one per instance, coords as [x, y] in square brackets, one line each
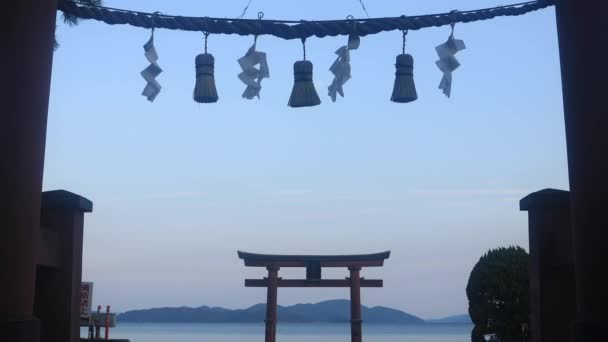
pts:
[447, 63]
[252, 76]
[341, 67]
[149, 74]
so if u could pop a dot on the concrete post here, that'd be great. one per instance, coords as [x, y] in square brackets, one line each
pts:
[57, 303]
[552, 282]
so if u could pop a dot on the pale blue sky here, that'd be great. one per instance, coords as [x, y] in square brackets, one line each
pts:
[178, 187]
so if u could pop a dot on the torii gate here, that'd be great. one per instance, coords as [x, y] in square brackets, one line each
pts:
[313, 264]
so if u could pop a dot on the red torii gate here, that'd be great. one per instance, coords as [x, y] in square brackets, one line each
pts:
[313, 264]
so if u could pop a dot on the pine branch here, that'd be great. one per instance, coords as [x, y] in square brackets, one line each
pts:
[72, 20]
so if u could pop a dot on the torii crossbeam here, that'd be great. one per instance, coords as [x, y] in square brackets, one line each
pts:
[313, 265]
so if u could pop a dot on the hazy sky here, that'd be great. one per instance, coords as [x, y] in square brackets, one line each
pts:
[179, 187]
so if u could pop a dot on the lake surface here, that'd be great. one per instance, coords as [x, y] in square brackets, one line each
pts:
[287, 332]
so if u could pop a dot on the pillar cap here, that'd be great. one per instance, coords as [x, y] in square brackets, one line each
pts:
[546, 198]
[65, 200]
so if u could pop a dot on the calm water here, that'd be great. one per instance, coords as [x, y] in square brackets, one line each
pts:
[287, 332]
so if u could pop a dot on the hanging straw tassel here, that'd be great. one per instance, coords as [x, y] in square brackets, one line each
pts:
[303, 93]
[204, 91]
[404, 89]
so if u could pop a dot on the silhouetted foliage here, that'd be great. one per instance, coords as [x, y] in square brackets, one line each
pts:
[498, 293]
[72, 20]
[476, 334]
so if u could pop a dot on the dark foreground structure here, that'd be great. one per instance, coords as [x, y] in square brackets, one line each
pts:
[57, 270]
[314, 265]
[552, 278]
[27, 60]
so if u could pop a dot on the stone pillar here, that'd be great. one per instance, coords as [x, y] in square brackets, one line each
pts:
[271, 304]
[355, 304]
[57, 303]
[552, 282]
[26, 59]
[583, 47]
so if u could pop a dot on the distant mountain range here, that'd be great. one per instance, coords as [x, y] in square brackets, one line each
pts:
[456, 319]
[331, 311]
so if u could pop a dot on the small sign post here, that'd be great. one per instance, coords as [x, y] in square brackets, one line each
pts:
[86, 300]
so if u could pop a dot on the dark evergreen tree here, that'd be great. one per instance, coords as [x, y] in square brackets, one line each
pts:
[498, 293]
[476, 334]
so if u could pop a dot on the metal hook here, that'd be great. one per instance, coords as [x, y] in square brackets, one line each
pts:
[404, 34]
[453, 23]
[257, 27]
[303, 38]
[304, 47]
[206, 30]
[153, 19]
[403, 23]
[206, 36]
[404, 31]
[350, 17]
[206, 25]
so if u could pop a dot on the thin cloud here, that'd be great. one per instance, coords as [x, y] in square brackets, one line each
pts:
[294, 192]
[471, 192]
[172, 195]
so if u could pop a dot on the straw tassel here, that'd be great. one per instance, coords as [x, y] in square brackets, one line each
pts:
[404, 89]
[303, 93]
[204, 90]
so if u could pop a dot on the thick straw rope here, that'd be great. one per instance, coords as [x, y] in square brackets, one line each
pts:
[287, 29]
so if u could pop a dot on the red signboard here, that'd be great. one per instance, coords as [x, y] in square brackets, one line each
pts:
[86, 299]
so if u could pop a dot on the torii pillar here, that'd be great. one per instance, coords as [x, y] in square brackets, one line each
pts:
[583, 47]
[355, 304]
[26, 61]
[271, 304]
